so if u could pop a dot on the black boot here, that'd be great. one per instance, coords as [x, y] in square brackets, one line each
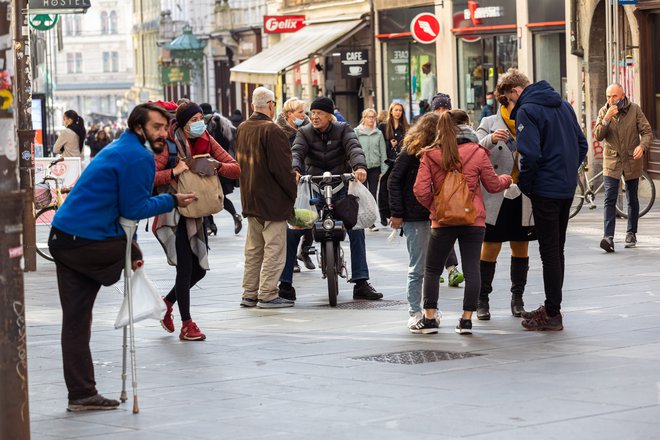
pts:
[487, 274]
[519, 269]
[238, 223]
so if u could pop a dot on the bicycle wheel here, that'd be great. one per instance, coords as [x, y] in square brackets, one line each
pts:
[331, 272]
[43, 221]
[578, 199]
[645, 193]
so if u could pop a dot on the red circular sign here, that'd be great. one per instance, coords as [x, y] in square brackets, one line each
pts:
[425, 28]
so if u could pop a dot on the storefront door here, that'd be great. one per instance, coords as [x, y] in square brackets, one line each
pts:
[481, 62]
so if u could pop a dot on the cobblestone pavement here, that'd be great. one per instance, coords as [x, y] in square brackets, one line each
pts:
[356, 371]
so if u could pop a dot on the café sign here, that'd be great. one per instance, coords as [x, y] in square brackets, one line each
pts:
[59, 6]
[355, 64]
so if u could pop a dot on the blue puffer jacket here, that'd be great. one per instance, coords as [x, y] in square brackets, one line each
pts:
[550, 142]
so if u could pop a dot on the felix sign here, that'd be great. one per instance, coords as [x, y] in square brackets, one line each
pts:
[58, 6]
[278, 24]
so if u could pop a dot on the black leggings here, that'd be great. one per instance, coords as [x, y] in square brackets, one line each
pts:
[229, 207]
[188, 271]
[441, 243]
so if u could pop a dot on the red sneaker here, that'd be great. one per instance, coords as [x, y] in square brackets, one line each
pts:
[167, 322]
[190, 332]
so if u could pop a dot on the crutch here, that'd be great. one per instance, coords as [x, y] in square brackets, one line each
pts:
[129, 227]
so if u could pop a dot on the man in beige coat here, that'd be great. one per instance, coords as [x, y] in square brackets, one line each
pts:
[268, 192]
[627, 136]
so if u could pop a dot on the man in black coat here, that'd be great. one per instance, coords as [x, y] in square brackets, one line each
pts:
[328, 145]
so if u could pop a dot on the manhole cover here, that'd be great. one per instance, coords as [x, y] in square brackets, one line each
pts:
[382, 304]
[416, 357]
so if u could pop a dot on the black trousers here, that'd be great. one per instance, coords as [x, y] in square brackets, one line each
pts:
[384, 197]
[551, 219]
[81, 271]
[373, 174]
[188, 271]
[441, 244]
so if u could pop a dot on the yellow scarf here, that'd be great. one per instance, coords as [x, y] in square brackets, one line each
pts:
[511, 125]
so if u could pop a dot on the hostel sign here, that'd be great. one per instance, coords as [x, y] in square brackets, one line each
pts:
[59, 6]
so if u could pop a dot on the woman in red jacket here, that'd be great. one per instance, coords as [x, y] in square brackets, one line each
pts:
[184, 239]
[455, 148]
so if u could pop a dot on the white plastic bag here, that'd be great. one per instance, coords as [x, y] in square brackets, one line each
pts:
[367, 205]
[305, 214]
[147, 302]
[395, 238]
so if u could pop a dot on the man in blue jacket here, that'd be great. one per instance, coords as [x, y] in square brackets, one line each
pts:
[552, 147]
[89, 245]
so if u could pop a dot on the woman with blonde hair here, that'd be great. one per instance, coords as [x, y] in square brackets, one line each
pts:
[394, 128]
[455, 148]
[373, 145]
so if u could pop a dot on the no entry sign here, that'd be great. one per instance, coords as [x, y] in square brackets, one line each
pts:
[425, 28]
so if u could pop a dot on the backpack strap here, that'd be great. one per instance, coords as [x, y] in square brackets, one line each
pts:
[171, 154]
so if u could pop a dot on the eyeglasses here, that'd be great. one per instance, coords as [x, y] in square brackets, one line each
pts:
[268, 102]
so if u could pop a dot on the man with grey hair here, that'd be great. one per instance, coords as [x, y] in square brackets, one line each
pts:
[268, 191]
[627, 135]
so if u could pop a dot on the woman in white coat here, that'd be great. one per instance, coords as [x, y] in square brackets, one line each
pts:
[508, 214]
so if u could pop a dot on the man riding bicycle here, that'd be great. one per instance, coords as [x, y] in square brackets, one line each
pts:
[328, 145]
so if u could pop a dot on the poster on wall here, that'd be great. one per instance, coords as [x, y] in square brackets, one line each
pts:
[39, 123]
[354, 64]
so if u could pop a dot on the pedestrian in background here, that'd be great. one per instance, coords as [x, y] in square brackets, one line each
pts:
[375, 152]
[188, 250]
[488, 109]
[455, 148]
[236, 118]
[508, 214]
[101, 140]
[89, 245]
[627, 135]
[408, 213]
[222, 130]
[552, 147]
[290, 120]
[394, 128]
[268, 192]
[71, 140]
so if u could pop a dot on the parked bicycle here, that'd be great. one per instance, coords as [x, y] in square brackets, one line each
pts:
[586, 191]
[46, 205]
[328, 230]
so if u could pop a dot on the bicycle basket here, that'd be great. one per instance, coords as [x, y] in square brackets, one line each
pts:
[42, 195]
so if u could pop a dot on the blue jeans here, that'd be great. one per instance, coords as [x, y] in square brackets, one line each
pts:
[417, 238]
[359, 267]
[611, 193]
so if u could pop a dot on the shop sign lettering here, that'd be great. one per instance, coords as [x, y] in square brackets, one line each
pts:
[486, 12]
[45, 5]
[278, 24]
[355, 64]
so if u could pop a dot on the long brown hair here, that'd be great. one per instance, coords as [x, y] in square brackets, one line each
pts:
[389, 131]
[446, 138]
[421, 135]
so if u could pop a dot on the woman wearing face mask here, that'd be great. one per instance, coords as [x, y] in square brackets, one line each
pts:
[189, 250]
[70, 141]
[290, 120]
[508, 214]
[373, 145]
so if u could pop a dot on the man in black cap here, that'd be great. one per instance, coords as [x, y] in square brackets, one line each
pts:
[328, 145]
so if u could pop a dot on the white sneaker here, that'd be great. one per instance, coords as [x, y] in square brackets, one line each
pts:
[373, 228]
[414, 319]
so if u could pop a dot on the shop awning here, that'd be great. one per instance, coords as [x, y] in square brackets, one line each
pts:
[264, 67]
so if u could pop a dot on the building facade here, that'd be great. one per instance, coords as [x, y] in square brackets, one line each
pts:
[146, 54]
[93, 75]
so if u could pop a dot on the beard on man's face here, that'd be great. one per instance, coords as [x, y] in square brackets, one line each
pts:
[158, 144]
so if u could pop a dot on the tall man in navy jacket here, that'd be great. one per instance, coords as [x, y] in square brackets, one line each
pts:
[89, 245]
[552, 147]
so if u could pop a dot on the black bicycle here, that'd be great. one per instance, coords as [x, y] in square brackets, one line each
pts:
[328, 230]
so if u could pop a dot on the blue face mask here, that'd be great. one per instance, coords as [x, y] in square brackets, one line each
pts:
[489, 101]
[197, 128]
[298, 122]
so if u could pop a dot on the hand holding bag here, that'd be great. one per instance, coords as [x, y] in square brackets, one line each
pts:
[200, 178]
[147, 303]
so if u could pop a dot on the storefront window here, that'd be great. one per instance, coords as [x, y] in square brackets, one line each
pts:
[481, 63]
[655, 32]
[550, 59]
[396, 73]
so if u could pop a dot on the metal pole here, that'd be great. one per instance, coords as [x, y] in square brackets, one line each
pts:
[608, 40]
[23, 99]
[615, 40]
[129, 227]
[14, 404]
